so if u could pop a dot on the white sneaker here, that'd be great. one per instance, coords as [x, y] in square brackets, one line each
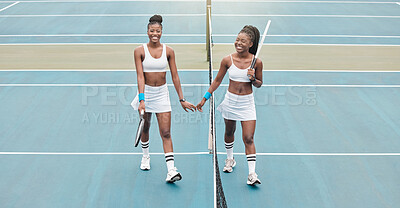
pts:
[145, 164]
[253, 179]
[229, 164]
[173, 175]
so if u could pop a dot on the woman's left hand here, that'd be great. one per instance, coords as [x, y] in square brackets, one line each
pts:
[251, 74]
[186, 105]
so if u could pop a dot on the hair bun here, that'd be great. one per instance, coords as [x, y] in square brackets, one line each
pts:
[156, 18]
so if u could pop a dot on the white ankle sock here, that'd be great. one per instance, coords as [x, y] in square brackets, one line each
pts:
[251, 161]
[169, 159]
[229, 150]
[145, 148]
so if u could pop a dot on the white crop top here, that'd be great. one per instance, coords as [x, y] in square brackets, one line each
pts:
[151, 64]
[236, 74]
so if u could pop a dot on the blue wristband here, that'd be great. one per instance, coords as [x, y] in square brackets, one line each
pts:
[207, 95]
[141, 96]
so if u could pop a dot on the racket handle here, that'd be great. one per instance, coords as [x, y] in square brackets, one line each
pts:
[253, 63]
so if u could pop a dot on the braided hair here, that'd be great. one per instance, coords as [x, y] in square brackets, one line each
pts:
[155, 19]
[254, 35]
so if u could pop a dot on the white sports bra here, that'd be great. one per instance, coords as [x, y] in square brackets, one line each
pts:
[236, 74]
[151, 64]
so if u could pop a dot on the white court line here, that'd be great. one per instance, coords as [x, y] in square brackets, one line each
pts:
[187, 70]
[8, 6]
[179, 15]
[91, 85]
[329, 2]
[319, 154]
[105, 35]
[96, 153]
[254, 1]
[398, 3]
[323, 2]
[338, 71]
[199, 153]
[301, 15]
[98, 15]
[197, 35]
[83, 1]
[317, 44]
[333, 86]
[199, 85]
[323, 36]
[41, 44]
[87, 70]
[271, 44]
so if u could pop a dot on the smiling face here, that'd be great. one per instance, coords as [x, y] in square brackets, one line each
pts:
[154, 32]
[243, 43]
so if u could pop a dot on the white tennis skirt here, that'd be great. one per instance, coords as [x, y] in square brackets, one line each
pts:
[238, 107]
[156, 99]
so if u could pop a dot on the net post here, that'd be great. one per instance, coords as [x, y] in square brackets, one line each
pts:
[209, 60]
[210, 130]
[208, 17]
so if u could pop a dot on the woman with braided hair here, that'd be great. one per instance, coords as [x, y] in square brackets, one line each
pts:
[238, 104]
[151, 61]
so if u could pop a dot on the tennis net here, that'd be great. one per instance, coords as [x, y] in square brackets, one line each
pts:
[219, 197]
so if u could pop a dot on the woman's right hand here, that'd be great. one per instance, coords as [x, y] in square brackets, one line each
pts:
[200, 105]
[141, 107]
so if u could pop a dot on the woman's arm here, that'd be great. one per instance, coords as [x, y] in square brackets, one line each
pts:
[138, 57]
[174, 72]
[139, 68]
[217, 81]
[220, 76]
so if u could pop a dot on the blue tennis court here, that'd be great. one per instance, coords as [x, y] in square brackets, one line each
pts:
[307, 22]
[68, 141]
[324, 138]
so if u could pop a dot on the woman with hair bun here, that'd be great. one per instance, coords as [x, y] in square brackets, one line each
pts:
[238, 104]
[151, 61]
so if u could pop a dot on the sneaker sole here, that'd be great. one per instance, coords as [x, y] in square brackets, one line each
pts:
[255, 183]
[227, 171]
[145, 167]
[177, 177]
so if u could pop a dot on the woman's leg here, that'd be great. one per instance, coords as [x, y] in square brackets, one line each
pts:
[248, 129]
[145, 163]
[145, 134]
[230, 128]
[164, 125]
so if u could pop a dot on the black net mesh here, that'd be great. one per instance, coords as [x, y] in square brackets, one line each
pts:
[219, 191]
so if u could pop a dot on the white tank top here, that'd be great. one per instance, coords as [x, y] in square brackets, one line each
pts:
[236, 74]
[151, 64]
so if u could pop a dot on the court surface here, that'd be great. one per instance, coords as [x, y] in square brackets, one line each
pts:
[328, 124]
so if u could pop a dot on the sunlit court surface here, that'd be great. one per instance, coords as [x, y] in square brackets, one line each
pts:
[328, 119]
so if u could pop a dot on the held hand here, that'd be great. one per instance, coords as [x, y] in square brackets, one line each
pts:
[200, 105]
[141, 107]
[186, 105]
[251, 74]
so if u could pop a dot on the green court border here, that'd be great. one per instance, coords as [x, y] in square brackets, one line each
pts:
[194, 56]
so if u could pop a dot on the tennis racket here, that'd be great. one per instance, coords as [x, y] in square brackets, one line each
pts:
[140, 129]
[259, 46]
